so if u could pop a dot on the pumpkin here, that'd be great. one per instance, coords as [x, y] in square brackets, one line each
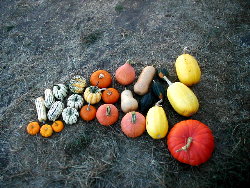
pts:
[128, 103]
[125, 74]
[158, 89]
[142, 85]
[110, 95]
[77, 84]
[70, 115]
[156, 121]
[191, 142]
[100, 78]
[133, 124]
[33, 128]
[181, 98]
[107, 114]
[40, 109]
[88, 112]
[147, 101]
[60, 91]
[46, 130]
[92, 94]
[75, 101]
[55, 110]
[49, 98]
[57, 126]
[187, 69]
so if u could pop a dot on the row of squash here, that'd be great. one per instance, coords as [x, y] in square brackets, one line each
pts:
[134, 123]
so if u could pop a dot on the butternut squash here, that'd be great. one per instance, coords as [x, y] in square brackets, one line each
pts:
[128, 103]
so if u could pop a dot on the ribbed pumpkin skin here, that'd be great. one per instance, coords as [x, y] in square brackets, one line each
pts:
[187, 69]
[202, 144]
[92, 95]
[125, 74]
[156, 122]
[182, 99]
[104, 119]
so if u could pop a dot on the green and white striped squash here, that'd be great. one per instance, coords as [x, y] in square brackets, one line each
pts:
[75, 101]
[55, 110]
[49, 98]
[60, 91]
[77, 84]
[40, 109]
[70, 115]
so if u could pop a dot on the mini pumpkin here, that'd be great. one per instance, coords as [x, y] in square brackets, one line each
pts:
[92, 94]
[191, 142]
[57, 126]
[107, 114]
[60, 91]
[77, 84]
[33, 128]
[75, 101]
[110, 95]
[101, 78]
[46, 130]
[133, 124]
[49, 98]
[88, 112]
[70, 115]
[55, 110]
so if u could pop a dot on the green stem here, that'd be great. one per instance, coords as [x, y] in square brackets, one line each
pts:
[108, 111]
[133, 120]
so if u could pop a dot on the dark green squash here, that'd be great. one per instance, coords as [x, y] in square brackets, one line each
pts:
[147, 101]
[158, 89]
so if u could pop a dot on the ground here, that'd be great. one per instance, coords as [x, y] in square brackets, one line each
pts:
[45, 42]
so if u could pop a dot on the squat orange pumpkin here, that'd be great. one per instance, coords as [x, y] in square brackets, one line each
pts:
[57, 126]
[110, 95]
[33, 128]
[101, 79]
[107, 114]
[88, 112]
[46, 130]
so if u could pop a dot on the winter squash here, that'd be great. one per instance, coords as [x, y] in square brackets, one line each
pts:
[77, 84]
[49, 98]
[110, 95]
[141, 87]
[40, 109]
[57, 126]
[158, 90]
[75, 101]
[55, 110]
[187, 69]
[70, 115]
[46, 130]
[92, 94]
[107, 114]
[100, 78]
[182, 98]
[60, 91]
[191, 142]
[88, 112]
[128, 103]
[147, 101]
[156, 121]
[125, 74]
[33, 128]
[133, 124]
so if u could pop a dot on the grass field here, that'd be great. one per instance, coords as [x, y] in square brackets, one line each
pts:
[45, 42]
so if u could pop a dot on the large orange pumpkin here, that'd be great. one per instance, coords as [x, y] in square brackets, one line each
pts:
[101, 79]
[107, 114]
[191, 142]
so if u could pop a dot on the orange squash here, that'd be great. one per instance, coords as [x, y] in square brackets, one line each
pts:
[33, 128]
[88, 112]
[110, 95]
[125, 74]
[101, 79]
[107, 114]
[57, 126]
[46, 130]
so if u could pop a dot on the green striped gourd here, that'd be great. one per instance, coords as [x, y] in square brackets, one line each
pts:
[60, 91]
[40, 109]
[49, 98]
[77, 84]
[55, 110]
[75, 101]
[70, 115]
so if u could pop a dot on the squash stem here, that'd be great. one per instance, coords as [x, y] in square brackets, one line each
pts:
[88, 108]
[158, 103]
[185, 148]
[167, 80]
[108, 111]
[133, 120]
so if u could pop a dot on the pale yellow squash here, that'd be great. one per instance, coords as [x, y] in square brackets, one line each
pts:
[156, 122]
[187, 69]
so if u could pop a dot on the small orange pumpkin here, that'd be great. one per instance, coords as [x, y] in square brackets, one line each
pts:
[88, 112]
[46, 130]
[57, 126]
[110, 95]
[33, 128]
[101, 78]
[107, 114]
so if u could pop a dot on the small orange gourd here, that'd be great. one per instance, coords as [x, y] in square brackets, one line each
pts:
[46, 130]
[57, 126]
[33, 128]
[107, 114]
[125, 74]
[100, 78]
[110, 95]
[88, 112]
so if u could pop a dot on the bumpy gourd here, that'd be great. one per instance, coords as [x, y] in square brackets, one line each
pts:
[77, 84]
[70, 115]
[92, 94]
[75, 101]
[40, 109]
[55, 110]
[60, 91]
[49, 98]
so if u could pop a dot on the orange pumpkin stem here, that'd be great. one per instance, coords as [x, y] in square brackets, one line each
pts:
[185, 148]
[133, 120]
[108, 111]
